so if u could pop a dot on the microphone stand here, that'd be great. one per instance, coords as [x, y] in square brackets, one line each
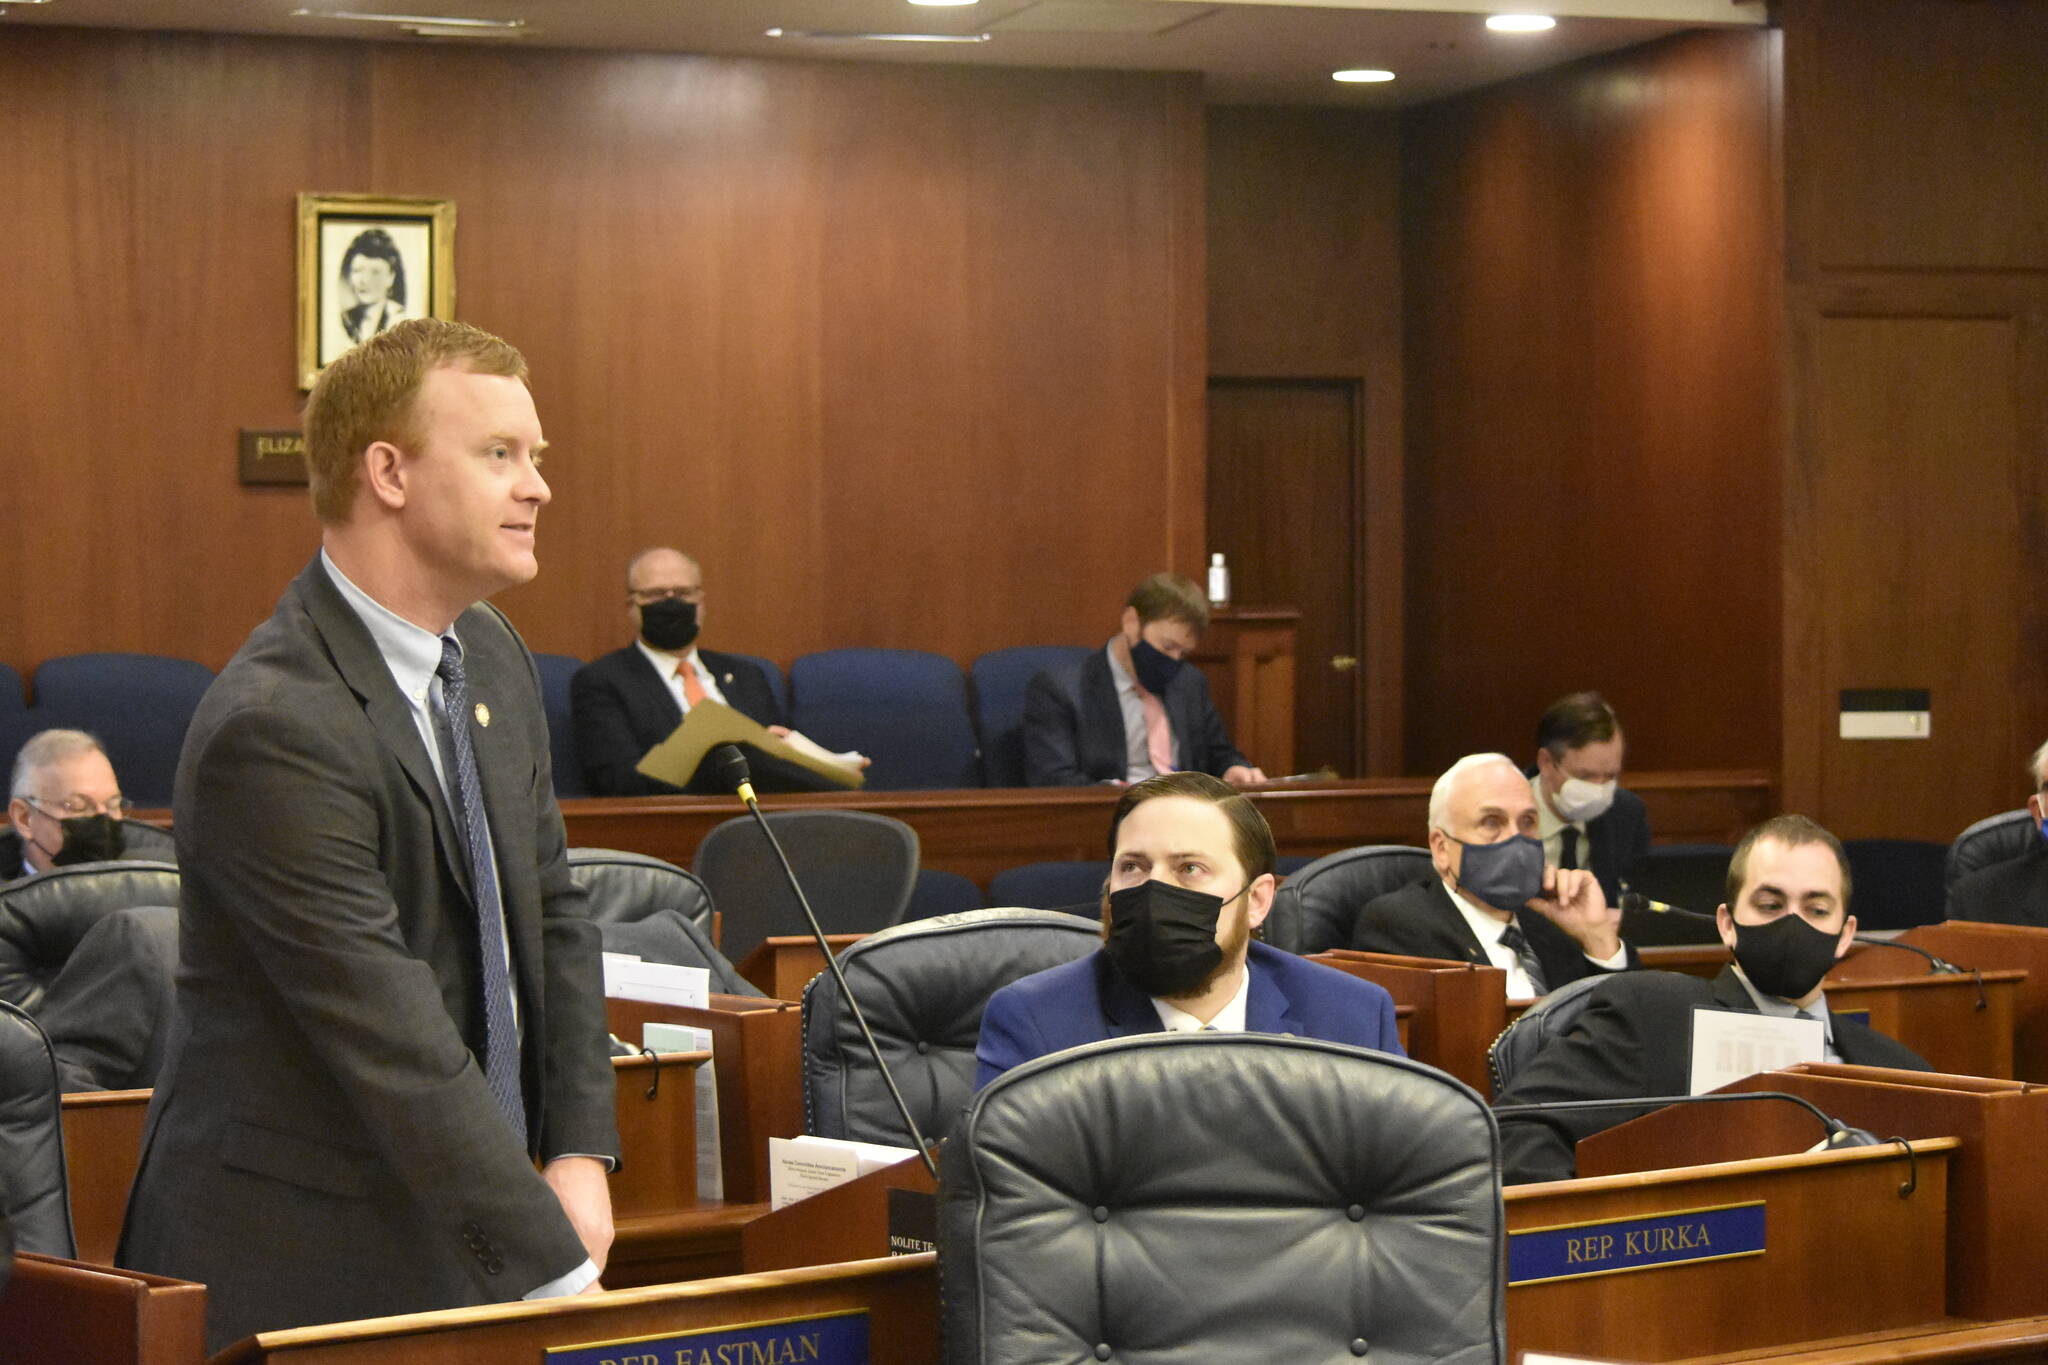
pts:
[732, 765]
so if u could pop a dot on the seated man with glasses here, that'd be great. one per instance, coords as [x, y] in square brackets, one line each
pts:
[65, 806]
[633, 698]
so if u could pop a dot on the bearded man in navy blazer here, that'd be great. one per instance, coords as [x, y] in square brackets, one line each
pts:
[389, 1089]
[1191, 876]
[1134, 708]
[632, 699]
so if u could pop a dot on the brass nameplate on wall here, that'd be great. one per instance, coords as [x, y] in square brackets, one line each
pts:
[273, 457]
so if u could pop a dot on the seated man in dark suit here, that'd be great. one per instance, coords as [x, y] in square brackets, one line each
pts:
[65, 806]
[1136, 709]
[633, 698]
[1191, 876]
[1492, 900]
[1786, 920]
[1583, 816]
[2014, 891]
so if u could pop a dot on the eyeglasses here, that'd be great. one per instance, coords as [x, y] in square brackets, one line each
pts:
[73, 807]
[647, 597]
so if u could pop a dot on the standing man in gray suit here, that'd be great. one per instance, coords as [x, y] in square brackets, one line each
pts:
[389, 992]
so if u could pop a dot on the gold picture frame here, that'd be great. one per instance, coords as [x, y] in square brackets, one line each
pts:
[367, 261]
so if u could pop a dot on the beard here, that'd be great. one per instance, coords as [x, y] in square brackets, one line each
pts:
[1237, 935]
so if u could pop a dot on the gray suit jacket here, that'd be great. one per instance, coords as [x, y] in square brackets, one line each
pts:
[322, 1144]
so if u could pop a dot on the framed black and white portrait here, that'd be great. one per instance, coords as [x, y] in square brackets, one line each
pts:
[367, 262]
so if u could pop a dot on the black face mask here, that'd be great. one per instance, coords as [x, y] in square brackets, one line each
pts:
[88, 839]
[1162, 937]
[1786, 958]
[1154, 669]
[670, 624]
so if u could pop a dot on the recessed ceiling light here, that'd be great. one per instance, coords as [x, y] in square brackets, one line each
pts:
[410, 20]
[832, 36]
[1520, 23]
[1362, 76]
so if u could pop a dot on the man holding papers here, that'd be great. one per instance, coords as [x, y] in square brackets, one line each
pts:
[632, 699]
[1786, 921]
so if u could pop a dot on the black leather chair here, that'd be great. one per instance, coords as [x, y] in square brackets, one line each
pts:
[42, 918]
[653, 910]
[857, 870]
[1993, 839]
[35, 1193]
[923, 986]
[1316, 909]
[1212, 1196]
[1552, 1016]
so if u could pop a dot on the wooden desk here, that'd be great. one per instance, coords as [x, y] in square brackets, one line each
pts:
[1969, 944]
[900, 1297]
[102, 1143]
[980, 831]
[781, 965]
[1997, 1237]
[63, 1311]
[1456, 1010]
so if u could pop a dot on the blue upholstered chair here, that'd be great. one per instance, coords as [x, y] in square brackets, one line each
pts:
[1000, 678]
[939, 892]
[1898, 882]
[905, 709]
[777, 685]
[1049, 886]
[138, 704]
[14, 715]
[555, 672]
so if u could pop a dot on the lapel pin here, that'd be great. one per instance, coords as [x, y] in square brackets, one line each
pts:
[483, 714]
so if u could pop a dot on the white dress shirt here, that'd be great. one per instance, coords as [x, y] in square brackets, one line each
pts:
[1229, 1019]
[1785, 1009]
[1487, 928]
[1550, 829]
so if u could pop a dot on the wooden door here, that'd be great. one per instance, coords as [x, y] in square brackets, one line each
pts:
[1284, 509]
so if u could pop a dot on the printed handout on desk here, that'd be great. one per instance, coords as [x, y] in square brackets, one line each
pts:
[684, 1038]
[658, 983]
[799, 1167]
[1728, 1046]
[710, 724]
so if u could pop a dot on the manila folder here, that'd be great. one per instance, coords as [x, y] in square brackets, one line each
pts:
[710, 724]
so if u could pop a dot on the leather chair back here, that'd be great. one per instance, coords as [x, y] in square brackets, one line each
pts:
[856, 869]
[922, 986]
[626, 886]
[1212, 1196]
[1316, 909]
[34, 1191]
[43, 917]
[1552, 1016]
[1993, 839]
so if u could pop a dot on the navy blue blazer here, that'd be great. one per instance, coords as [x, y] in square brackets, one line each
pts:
[1074, 726]
[1087, 1000]
[622, 707]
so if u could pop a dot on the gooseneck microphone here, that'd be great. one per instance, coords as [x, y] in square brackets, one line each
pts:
[1636, 900]
[1938, 965]
[731, 767]
[1839, 1134]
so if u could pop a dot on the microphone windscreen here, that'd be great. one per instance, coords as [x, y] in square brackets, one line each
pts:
[1634, 900]
[731, 766]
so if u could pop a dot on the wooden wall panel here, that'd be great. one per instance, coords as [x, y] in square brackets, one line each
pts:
[1304, 233]
[896, 352]
[1592, 274]
[1917, 478]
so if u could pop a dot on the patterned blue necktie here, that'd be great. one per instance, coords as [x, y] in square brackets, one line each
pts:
[501, 1033]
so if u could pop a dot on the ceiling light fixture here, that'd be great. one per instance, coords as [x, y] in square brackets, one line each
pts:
[1362, 76]
[410, 20]
[1520, 23]
[830, 36]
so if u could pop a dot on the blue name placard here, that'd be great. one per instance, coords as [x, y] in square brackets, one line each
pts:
[1572, 1250]
[835, 1339]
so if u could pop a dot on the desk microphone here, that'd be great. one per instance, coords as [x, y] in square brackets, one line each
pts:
[1636, 900]
[1939, 966]
[1839, 1134]
[731, 766]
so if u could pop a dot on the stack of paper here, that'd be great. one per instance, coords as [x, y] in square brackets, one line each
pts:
[799, 1167]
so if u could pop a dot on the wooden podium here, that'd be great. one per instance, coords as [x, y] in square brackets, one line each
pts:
[1997, 1239]
[102, 1143]
[781, 965]
[1457, 1010]
[1999, 946]
[61, 1311]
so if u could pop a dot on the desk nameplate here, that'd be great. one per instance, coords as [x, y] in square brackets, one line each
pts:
[1615, 1246]
[827, 1339]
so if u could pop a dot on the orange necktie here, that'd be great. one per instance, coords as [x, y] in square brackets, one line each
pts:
[1158, 735]
[693, 690]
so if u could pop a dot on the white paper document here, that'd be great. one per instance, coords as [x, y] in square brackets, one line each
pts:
[1727, 1046]
[683, 1038]
[799, 1167]
[659, 983]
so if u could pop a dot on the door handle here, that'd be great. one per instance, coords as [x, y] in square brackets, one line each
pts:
[1344, 663]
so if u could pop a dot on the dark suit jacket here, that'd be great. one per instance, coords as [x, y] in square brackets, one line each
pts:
[2012, 892]
[322, 1144]
[1074, 728]
[1634, 1038]
[622, 708]
[109, 1011]
[1087, 1000]
[1620, 838]
[1419, 920]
